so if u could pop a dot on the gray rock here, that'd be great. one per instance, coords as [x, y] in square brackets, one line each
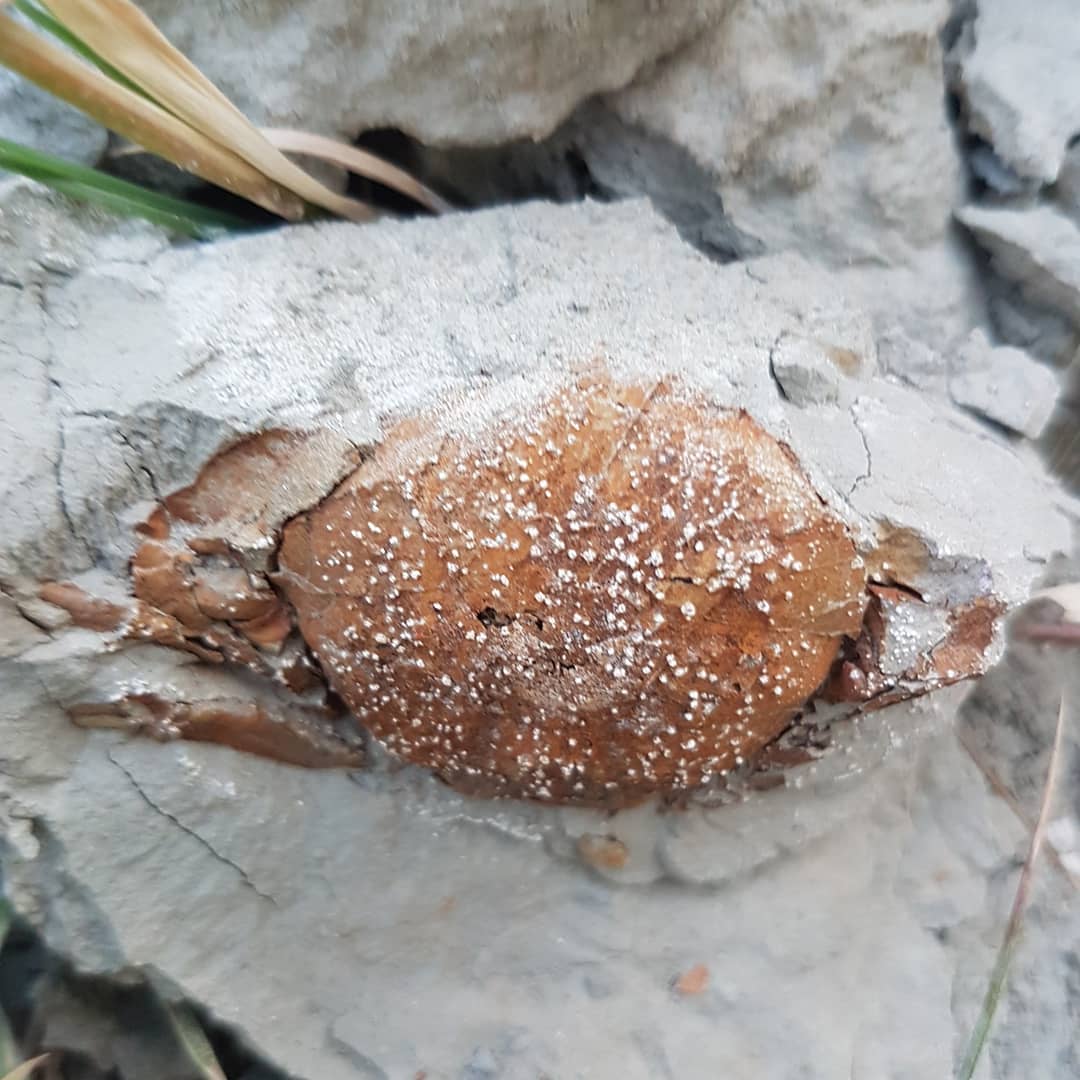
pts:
[1008, 722]
[472, 74]
[810, 373]
[1041, 331]
[34, 118]
[997, 176]
[595, 153]
[823, 130]
[713, 110]
[912, 361]
[377, 923]
[1016, 72]
[1038, 249]
[1004, 384]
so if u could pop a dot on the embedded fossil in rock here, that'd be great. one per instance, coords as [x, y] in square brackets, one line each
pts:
[632, 591]
[199, 586]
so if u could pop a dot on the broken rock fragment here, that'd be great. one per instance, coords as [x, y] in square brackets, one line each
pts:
[1037, 249]
[1016, 74]
[1004, 384]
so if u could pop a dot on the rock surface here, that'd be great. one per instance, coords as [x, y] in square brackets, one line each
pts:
[1013, 73]
[1037, 249]
[823, 133]
[843, 922]
[838, 180]
[309, 925]
[1017, 78]
[36, 119]
[465, 74]
[792, 128]
[1004, 384]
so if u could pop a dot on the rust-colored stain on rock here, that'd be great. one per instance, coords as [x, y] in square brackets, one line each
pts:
[693, 981]
[86, 611]
[631, 592]
[199, 585]
[297, 734]
[603, 852]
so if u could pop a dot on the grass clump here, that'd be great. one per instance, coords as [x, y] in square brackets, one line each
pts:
[119, 196]
[107, 59]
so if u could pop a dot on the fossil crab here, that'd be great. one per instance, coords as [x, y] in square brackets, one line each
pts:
[630, 592]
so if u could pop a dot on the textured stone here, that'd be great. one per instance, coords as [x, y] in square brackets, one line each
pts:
[329, 916]
[823, 131]
[34, 118]
[1038, 249]
[1004, 384]
[810, 373]
[1016, 73]
[478, 73]
[912, 361]
[800, 127]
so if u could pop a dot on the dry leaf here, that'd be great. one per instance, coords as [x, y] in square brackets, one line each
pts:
[121, 34]
[26, 1069]
[357, 161]
[122, 110]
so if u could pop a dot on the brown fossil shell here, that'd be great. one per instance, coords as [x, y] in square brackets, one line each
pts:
[632, 591]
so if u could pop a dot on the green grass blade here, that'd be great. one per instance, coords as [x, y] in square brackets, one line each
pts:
[118, 196]
[994, 992]
[125, 206]
[193, 1040]
[1000, 975]
[50, 24]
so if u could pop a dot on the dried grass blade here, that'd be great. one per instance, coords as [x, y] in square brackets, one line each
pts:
[1016, 917]
[1004, 792]
[43, 20]
[194, 1042]
[358, 161]
[1065, 596]
[1063, 633]
[126, 112]
[126, 38]
[26, 1069]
